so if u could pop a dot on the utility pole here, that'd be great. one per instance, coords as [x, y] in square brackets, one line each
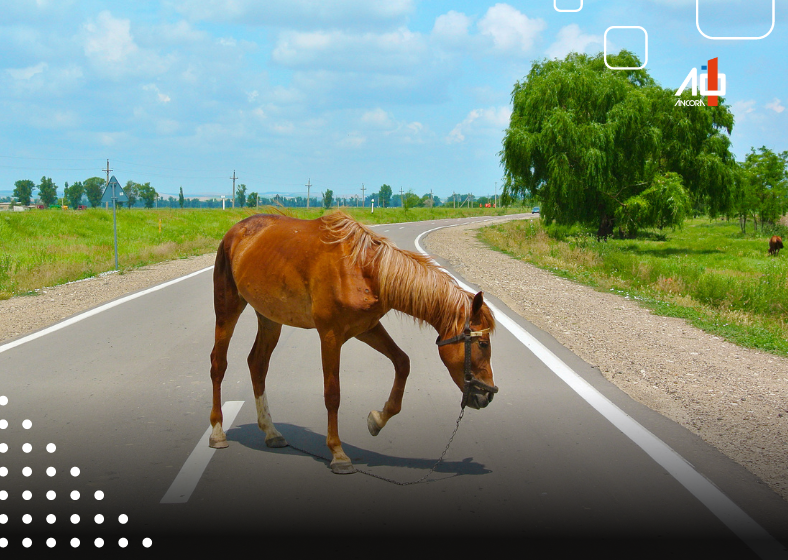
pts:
[107, 170]
[496, 194]
[432, 201]
[308, 189]
[234, 178]
[107, 183]
[363, 197]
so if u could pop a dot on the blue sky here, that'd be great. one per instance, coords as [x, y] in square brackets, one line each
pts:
[414, 94]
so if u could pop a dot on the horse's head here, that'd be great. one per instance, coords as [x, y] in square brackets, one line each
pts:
[466, 355]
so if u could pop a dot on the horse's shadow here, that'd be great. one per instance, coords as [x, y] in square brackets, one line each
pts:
[314, 445]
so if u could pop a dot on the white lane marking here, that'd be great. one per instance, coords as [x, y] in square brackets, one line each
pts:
[96, 311]
[184, 484]
[741, 524]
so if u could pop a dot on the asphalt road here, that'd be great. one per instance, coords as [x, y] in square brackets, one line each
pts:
[561, 458]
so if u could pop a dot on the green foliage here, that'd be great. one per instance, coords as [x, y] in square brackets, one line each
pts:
[94, 188]
[761, 188]
[240, 195]
[132, 192]
[664, 204]
[251, 199]
[148, 194]
[73, 194]
[23, 191]
[181, 200]
[328, 198]
[384, 196]
[47, 191]
[410, 200]
[593, 145]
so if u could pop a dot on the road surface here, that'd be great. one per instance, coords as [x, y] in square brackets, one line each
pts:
[560, 458]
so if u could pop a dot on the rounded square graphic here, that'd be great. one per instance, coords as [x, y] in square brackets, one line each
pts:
[557, 9]
[697, 24]
[626, 27]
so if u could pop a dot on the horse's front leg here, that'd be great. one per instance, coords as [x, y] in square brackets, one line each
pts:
[379, 339]
[330, 349]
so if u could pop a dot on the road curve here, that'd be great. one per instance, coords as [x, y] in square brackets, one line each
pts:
[561, 457]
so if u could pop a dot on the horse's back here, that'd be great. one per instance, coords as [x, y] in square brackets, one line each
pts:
[289, 271]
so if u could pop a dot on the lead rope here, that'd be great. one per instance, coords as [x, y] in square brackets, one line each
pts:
[398, 483]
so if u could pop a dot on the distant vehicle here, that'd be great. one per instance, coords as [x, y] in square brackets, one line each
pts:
[535, 210]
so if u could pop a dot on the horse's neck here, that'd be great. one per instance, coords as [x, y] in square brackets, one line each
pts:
[446, 325]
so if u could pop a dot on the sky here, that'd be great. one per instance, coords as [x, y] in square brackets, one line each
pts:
[415, 94]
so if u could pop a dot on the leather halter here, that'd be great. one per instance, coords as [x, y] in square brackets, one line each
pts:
[471, 382]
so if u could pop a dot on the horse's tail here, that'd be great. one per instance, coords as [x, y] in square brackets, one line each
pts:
[222, 271]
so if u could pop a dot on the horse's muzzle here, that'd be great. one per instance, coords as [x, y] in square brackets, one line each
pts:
[480, 397]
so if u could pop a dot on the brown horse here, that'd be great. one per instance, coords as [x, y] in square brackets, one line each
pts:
[775, 244]
[339, 277]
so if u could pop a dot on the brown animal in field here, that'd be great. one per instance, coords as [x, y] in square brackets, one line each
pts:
[775, 244]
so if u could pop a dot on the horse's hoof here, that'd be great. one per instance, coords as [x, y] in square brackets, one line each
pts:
[277, 441]
[217, 443]
[342, 467]
[373, 423]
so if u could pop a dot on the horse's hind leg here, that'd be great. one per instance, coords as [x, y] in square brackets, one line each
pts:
[267, 337]
[228, 305]
[379, 339]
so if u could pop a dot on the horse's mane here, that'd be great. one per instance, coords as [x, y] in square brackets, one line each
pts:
[408, 282]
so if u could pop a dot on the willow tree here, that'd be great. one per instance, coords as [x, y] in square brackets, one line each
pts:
[609, 148]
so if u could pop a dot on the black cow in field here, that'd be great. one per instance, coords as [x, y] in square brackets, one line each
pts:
[775, 244]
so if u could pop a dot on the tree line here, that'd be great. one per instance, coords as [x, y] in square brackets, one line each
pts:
[613, 150]
[90, 191]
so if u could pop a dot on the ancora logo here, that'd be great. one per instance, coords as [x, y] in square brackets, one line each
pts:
[712, 84]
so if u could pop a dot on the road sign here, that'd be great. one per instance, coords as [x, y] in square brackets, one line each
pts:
[115, 191]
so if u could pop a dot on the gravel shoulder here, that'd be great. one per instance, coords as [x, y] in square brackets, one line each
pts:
[734, 398]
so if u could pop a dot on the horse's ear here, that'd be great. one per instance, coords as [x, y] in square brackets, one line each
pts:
[478, 300]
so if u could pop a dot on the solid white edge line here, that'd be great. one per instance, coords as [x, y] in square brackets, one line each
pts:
[95, 311]
[186, 481]
[736, 519]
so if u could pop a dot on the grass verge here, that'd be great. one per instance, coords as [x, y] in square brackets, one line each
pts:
[50, 247]
[708, 273]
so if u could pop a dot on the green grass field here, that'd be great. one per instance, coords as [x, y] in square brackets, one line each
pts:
[50, 247]
[708, 273]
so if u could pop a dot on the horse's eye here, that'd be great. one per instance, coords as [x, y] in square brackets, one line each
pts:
[483, 344]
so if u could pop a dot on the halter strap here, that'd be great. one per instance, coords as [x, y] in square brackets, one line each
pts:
[467, 337]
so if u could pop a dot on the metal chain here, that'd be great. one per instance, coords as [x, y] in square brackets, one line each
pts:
[398, 483]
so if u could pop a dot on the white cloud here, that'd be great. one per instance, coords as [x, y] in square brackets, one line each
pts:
[356, 51]
[571, 39]
[741, 109]
[380, 123]
[163, 98]
[510, 30]
[490, 119]
[353, 140]
[451, 27]
[110, 46]
[377, 117]
[775, 105]
[299, 14]
[29, 72]
[109, 40]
